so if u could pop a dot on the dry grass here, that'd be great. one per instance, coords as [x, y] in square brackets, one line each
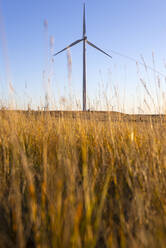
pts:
[81, 183]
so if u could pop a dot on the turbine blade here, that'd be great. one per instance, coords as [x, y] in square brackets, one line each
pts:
[72, 44]
[92, 45]
[84, 23]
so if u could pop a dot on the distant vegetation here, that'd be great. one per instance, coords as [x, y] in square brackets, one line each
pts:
[81, 182]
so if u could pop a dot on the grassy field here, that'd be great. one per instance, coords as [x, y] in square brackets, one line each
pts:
[73, 179]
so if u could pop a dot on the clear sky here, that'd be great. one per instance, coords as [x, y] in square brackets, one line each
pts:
[134, 28]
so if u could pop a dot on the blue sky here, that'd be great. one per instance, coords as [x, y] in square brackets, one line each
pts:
[133, 28]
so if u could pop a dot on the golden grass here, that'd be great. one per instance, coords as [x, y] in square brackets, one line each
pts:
[81, 183]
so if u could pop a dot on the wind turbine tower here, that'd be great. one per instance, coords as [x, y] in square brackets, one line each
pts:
[85, 41]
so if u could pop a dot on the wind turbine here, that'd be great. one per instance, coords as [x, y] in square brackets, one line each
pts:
[85, 41]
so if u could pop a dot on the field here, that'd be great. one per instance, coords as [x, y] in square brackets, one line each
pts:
[73, 179]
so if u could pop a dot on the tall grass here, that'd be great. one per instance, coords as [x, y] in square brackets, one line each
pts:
[81, 183]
